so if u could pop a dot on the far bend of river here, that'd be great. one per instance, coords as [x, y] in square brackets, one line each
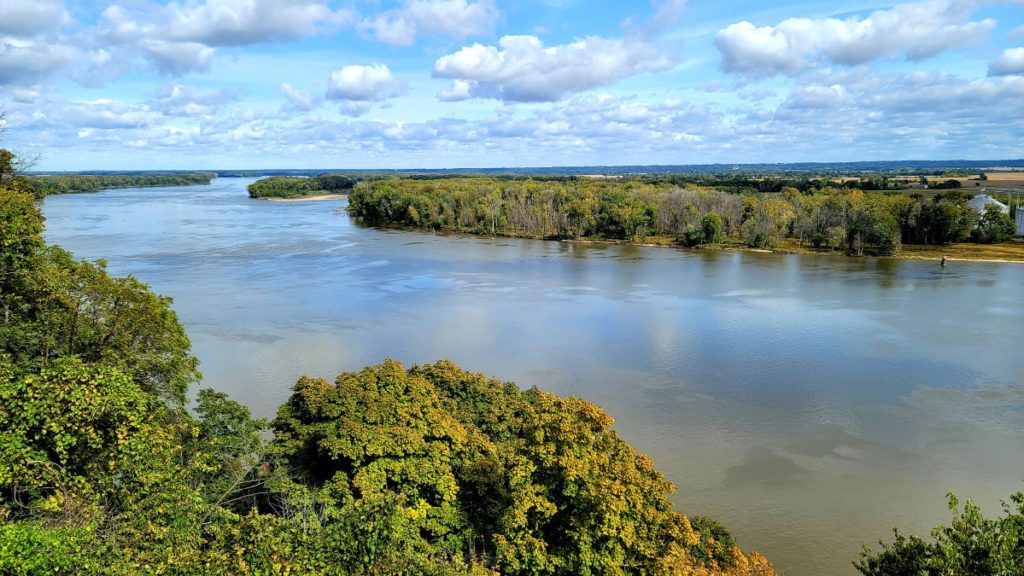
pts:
[809, 403]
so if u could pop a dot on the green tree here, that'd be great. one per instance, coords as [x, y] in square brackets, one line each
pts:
[971, 545]
[993, 226]
[711, 225]
[21, 240]
[80, 310]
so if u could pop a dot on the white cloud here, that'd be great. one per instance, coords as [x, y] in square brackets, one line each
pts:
[25, 95]
[243, 22]
[870, 115]
[1010, 62]
[106, 114]
[353, 107]
[179, 38]
[179, 100]
[1017, 32]
[24, 62]
[119, 26]
[31, 47]
[453, 18]
[297, 100]
[177, 58]
[363, 83]
[914, 31]
[458, 91]
[816, 97]
[26, 18]
[521, 69]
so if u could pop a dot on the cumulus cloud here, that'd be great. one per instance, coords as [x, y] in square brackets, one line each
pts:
[458, 91]
[30, 47]
[453, 18]
[25, 95]
[178, 38]
[870, 115]
[522, 69]
[816, 97]
[914, 31]
[179, 100]
[353, 107]
[297, 100]
[1011, 62]
[243, 22]
[107, 114]
[360, 83]
[177, 58]
[26, 18]
[24, 62]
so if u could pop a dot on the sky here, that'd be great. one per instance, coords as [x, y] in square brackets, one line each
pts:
[249, 84]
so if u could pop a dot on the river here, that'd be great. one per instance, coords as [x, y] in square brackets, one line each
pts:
[809, 403]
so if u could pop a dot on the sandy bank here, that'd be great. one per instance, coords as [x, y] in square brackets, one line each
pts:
[310, 198]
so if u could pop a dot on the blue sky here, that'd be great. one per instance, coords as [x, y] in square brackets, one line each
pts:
[203, 84]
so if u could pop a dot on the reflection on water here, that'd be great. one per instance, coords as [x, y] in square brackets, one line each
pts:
[809, 403]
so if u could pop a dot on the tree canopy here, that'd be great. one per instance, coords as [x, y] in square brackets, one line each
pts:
[71, 183]
[633, 209]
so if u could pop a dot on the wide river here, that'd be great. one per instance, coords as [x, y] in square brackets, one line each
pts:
[809, 403]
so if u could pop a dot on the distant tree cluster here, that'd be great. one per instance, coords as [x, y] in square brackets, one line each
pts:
[850, 220]
[951, 184]
[295, 186]
[47, 185]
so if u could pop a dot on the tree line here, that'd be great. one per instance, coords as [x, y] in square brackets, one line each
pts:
[67, 184]
[105, 467]
[850, 220]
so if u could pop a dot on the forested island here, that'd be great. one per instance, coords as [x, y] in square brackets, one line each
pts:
[872, 218]
[295, 186]
[72, 183]
[107, 468]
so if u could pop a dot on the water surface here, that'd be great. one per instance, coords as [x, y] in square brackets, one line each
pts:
[810, 403]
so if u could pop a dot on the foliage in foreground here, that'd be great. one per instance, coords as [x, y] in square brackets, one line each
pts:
[971, 545]
[426, 470]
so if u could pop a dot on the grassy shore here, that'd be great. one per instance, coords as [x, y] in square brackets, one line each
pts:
[1012, 251]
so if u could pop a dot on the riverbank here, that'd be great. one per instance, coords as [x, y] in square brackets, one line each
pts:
[1006, 252]
[1011, 251]
[309, 198]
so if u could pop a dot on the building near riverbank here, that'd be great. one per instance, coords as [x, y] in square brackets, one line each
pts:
[981, 201]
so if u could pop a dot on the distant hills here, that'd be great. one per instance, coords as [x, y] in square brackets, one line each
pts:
[805, 168]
